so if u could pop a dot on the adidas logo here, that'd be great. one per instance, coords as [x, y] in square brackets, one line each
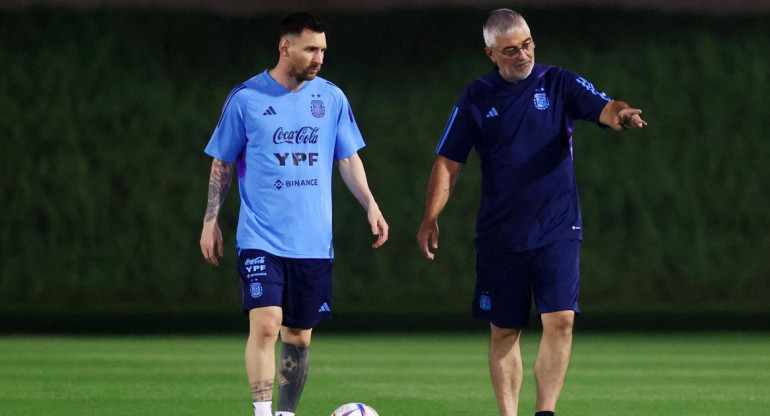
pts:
[269, 111]
[325, 308]
[492, 113]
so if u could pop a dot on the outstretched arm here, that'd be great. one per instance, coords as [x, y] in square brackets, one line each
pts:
[219, 185]
[354, 176]
[618, 115]
[442, 180]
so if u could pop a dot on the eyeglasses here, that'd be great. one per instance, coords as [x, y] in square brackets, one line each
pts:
[512, 51]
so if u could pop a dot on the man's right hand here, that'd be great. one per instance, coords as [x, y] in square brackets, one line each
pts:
[428, 235]
[211, 242]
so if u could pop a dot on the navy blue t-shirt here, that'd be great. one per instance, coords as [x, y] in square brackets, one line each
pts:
[522, 133]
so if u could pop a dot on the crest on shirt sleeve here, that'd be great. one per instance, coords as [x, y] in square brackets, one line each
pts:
[317, 108]
[541, 99]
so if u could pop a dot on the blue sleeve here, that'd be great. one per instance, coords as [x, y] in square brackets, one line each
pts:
[229, 137]
[349, 139]
[584, 101]
[460, 132]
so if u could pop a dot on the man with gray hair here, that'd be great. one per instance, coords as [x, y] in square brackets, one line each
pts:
[520, 118]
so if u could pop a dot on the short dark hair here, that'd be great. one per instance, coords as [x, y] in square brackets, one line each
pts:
[296, 22]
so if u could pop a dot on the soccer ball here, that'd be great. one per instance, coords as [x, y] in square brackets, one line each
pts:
[355, 409]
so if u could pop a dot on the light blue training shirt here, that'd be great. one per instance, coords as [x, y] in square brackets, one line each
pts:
[285, 145]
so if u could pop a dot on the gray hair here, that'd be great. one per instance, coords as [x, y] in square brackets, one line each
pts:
[502, 22]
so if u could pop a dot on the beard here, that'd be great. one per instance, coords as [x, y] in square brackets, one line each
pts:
[518, 72]
[524, 71]
[307, 74]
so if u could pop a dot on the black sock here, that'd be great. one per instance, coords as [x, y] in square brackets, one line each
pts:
[544, 413]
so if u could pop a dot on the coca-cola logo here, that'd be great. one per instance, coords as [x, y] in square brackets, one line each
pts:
[302, 135]
[255, 260]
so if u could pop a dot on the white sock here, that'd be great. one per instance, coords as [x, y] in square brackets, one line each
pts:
[263, 408]
[284, 414]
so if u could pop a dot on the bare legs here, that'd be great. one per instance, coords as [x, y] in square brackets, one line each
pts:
[505, 368]
[505, 363]
[264, 327]
[553, 358]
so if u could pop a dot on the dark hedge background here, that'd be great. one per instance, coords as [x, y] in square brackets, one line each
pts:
[105, 115]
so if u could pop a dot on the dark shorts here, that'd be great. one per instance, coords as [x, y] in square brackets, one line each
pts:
[507, 282]
[301, 287]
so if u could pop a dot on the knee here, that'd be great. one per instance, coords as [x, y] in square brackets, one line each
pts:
[297, 337]
[559, 322]
[504, 335]
[264, 327]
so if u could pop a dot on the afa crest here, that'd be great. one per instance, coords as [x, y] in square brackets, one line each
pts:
[317, 108]
[485, 302]
[255, 290]
[541, 100]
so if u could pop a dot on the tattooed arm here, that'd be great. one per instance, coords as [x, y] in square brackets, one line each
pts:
[219, 185]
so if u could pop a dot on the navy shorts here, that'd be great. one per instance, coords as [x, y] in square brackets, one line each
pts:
[507, 282]
[301, 287]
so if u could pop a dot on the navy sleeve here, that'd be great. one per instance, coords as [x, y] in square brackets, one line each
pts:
[460, 132]
[584, 101]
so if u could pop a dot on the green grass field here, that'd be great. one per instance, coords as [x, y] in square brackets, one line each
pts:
[398, 374]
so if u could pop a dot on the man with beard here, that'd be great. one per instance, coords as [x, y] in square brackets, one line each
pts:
[281, 131]
[520, 118]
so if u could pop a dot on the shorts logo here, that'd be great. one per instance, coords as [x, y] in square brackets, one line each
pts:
[255, 290]
[257, 264]
[541, 99]
[317, 108]
[485, 303]
[255, 260]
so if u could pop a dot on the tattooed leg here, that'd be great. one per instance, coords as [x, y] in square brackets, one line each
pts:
[292, 376]
[262, 391]
[264, 324]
